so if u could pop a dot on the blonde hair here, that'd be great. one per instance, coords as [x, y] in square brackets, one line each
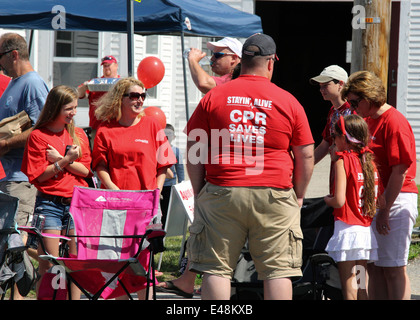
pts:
[108, 107]
[367, 86]
[58, 97]
[357, 128]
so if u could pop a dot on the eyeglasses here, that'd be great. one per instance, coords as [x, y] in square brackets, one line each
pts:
[355, 103]
[218, 55]
[3, 53]
[135, 96]
[107, 58]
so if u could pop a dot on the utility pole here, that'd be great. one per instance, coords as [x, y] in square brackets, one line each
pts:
[370, 38]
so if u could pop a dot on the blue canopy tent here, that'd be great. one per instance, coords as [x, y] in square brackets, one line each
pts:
[177, 17]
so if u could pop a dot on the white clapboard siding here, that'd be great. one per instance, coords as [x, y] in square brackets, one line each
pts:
[409, 66]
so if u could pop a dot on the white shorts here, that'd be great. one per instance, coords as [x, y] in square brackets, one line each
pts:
[393, 248]
[351, 243]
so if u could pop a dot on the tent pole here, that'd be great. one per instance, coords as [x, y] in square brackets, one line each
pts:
[130, 36]
[184, 67]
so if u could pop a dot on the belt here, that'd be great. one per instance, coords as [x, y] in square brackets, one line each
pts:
[56, 199]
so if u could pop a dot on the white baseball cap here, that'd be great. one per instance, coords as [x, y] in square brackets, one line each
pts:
[333, 72]
[233, 44]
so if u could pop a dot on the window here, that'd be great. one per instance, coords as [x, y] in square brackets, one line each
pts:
[152, 44]
[75, 59]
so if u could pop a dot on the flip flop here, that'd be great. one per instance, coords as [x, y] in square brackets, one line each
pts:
[171, 288]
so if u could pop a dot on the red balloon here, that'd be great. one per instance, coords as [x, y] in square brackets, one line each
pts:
[157, 113]
[150, 71]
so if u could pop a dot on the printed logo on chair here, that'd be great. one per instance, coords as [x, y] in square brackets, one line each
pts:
[101, 199]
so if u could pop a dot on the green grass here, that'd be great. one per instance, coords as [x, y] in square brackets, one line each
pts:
[415, 244]
[170, 260]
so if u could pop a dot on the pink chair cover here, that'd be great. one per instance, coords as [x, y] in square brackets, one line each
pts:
[106, 212]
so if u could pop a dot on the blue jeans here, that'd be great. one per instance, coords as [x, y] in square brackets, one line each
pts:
[57, 215]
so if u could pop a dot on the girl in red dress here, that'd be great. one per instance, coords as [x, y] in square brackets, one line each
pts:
[353, 243]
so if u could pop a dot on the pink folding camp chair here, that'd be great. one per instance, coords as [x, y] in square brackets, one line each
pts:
[115, 240]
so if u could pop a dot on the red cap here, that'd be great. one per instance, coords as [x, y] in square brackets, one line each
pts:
[108, 59]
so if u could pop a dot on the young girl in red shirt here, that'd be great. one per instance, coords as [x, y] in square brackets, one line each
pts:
[55, 169]
[353, 243]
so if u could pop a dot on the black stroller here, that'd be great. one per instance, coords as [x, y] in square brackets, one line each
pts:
[320, 278]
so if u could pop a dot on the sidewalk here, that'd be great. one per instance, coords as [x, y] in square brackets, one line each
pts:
[318, 186]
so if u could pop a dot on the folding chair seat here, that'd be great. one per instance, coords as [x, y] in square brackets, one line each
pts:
[115, 240]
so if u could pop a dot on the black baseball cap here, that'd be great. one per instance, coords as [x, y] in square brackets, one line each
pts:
[263, 42]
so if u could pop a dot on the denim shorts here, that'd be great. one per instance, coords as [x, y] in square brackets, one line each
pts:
[56, 215]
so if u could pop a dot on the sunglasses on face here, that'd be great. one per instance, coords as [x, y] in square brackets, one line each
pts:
[3, 53]
[218, 55]
[134, 96]
[355, 103]
[107, 59]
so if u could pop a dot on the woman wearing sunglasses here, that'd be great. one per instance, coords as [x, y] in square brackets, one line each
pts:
[130, 151]
[394, 148]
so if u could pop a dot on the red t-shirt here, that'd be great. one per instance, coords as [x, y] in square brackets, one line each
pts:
[35, 162]
[4, 82]
[248, 126]
[393, 143]
[93, 96]
[133, 154]
[2, 173]
[352, 211]
[222, 79]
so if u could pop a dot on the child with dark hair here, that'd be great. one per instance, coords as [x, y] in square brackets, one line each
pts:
[353, 243]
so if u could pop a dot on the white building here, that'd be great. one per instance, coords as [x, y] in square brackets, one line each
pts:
[408, 91]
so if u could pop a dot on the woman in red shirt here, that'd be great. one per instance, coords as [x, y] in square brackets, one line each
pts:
[394, 147]
[130, 151]
[56, 158]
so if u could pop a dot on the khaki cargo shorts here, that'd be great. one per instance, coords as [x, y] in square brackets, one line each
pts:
[225, 217]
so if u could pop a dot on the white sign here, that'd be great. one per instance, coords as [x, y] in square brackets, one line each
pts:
[185, 192]
[181, 205]
[181, 208]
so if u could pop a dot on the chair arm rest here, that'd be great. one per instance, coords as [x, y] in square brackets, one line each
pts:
[34, 230]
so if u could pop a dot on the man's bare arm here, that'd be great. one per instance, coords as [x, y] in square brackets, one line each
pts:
[303, 169]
